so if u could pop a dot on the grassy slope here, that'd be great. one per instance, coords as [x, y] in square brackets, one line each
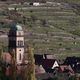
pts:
[61, 36]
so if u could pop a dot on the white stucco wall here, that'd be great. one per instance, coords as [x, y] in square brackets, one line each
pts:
[20, 33]
[18, 52]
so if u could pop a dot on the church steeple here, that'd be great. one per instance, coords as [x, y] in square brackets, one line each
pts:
[16, 42]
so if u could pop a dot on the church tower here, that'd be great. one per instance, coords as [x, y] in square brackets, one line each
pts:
[16, 42]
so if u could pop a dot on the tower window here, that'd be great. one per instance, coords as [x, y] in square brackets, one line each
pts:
[20, 43]
[20, 56]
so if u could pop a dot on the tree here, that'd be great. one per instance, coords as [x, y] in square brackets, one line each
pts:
[30, 74]
[72, 78]
[1, 72]
[33, 18]
[13, 67]
[44, 23]
[55, 78]
[24, 20]
[1, 51]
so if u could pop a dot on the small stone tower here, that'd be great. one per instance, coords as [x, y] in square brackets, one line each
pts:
[16, 42]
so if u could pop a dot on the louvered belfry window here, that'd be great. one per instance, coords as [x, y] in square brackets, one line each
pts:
[20, 43]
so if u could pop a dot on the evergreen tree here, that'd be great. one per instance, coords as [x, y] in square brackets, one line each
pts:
[1, 51]
[30, 73]
[13, 76]
[1, 63]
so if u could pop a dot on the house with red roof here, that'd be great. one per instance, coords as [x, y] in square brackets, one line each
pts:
[66, 69]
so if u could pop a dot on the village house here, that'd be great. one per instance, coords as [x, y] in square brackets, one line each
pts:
[45, 66]
[74, 62]
[66, 69]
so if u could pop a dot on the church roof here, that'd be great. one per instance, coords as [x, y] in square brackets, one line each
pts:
[15, 27]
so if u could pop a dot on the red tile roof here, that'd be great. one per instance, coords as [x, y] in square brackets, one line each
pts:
[63, 67]
[6, 57]
[39, 69]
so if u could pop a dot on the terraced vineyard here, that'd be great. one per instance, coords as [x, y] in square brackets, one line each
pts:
[51, 29]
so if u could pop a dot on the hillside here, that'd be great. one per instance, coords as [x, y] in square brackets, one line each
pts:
[50, 28]
[68, 1]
